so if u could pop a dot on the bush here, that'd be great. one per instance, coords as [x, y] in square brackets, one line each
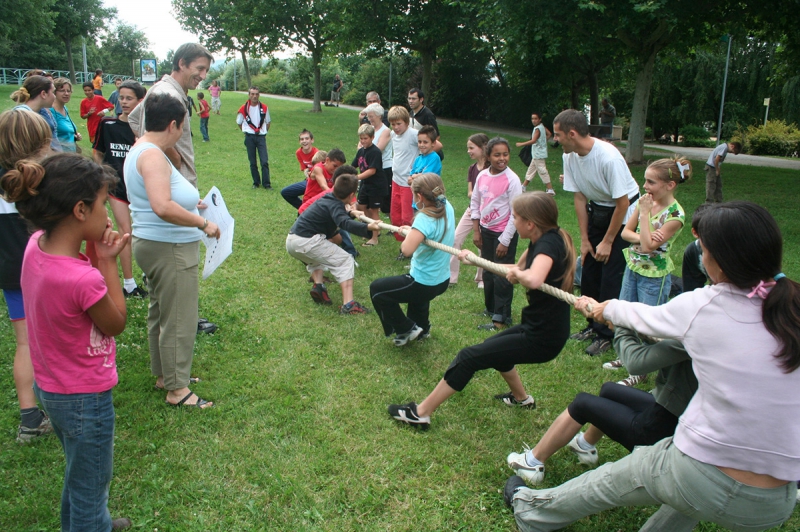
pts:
[774, 138]
[273, 81]
[695, 136]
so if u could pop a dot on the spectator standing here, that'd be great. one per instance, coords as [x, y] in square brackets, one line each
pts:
[65, 128]
[216, 103]
[336, 91]
[421, 115]
[254, 120]
[373, 98]
[538, 144]
[97, 82]
[607, 115]
[37, 94]
[93, 108]
[713, 178]
[114, 98]
[204, 113]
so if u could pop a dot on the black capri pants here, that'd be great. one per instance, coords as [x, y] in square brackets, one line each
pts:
[627, 415]
[503, 351]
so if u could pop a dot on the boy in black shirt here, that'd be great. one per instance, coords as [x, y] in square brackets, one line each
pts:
[369, 161]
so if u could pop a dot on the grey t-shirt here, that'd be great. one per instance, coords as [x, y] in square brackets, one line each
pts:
[721, 151]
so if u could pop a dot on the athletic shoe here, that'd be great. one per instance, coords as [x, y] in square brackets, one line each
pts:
[483, 314]
[401, 257]
[633, 380]
[585, 457]
[320, 295]
[531, 474]
[145, 282]
[586, 334]
[402, 339]
[354, 307]
[424, 336]
[598, 347]
[407, 413]
[513, 485]
[551, 192]
[488, 327]
[614, 364]
[121, 523]
[205, 326]
[136, 292]
[480, 285]
[509, 399]
[27, 434]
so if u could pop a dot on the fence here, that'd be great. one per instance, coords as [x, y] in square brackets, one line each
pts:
[16, 76]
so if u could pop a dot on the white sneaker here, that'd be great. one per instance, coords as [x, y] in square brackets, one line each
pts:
[633, 380]
[402, 339]
[585, 457]
[531, 474]
[480, 285]
[614, 364]
[551, 192]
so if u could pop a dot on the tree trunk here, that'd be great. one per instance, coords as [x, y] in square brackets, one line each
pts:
[594, 92]
[246, 70]
[427, 68]
[575, 92]
[641, 96]
[316, 59]
[70, 63]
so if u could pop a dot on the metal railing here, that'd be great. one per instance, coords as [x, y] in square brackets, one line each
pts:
[16, 76]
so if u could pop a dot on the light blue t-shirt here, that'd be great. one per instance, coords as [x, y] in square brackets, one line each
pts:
[146, 223]
[427, 163]
[431, 266]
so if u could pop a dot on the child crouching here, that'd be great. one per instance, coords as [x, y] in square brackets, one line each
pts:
[313, 238]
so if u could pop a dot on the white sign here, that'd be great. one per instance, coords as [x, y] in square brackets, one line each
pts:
[766, 101]
[217, 250]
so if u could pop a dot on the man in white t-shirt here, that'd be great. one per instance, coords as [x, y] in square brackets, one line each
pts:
[604, 189]
[253, 118]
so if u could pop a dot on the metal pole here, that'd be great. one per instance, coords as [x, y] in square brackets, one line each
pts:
[234, 72]
[724, 84]
[85, 64]
[766, 115]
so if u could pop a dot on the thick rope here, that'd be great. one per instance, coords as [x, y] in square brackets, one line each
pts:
[498, 269]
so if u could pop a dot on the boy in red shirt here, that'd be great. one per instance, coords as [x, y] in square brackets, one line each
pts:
[305, 156]
[93, 108]
[320, 178]
[204, 113]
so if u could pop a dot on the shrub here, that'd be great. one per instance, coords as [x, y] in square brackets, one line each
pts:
[695, 136]
[774, 138]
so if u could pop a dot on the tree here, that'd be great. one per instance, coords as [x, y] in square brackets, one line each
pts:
[122, 46]
[79, 18]
[23, 19]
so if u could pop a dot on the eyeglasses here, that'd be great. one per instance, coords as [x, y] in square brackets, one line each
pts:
[65, 91]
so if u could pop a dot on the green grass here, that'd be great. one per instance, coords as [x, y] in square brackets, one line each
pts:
[300, 439]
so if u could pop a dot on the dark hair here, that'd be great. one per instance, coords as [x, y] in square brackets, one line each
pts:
[88, 84]
[189, 52]
[337, 155]
[160, 110]
[541, 209]
[254, 88]
[98, 72]
[47, 193]
[479, 139]
[697, 215]
[737, 147]
[428, 131]
[572, 120]
[344, 169]
[345, 185]
[31, 88]
[310, 134]
[537, 113]
[746, 242]
[200, 96]
[494, 142]
[117, 79]
[418, 92]
[135, 86]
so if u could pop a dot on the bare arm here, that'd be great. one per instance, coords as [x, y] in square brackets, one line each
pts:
[384, 140]
[318, 176]
[110, 313]
[413, 240]
[603, 250]
[534, 276]
[629, 233]
[583, 224]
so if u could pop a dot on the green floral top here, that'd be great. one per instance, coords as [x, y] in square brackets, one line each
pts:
[656, 263]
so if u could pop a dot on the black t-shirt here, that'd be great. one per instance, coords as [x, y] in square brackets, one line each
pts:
[545, 316]
[114, 139]
[14, 237]
[371, 158]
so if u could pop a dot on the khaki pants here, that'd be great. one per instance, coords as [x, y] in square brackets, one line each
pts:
[537, 165]
[713, 185]
[172, 270]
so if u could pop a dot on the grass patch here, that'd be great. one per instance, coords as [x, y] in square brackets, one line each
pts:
[300, 439]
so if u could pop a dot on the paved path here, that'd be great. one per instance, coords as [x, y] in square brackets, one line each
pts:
[700, 154]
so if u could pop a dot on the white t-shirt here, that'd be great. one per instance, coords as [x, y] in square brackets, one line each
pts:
[721, 151]
[601, 175]
[405, 150]
[539, 148]
[255, 117]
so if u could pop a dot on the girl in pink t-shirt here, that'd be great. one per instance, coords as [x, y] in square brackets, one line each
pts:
[74, 307]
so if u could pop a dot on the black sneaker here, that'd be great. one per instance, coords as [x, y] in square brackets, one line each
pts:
[513, 485]
[509, 399]
[586, 334]
[407, 413]
[136, 292]
[598, 346]
[205, 326]
[401, 257]
[354, 307]
[28, 434]
[320, 295]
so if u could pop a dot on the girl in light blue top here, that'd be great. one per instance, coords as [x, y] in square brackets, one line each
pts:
[430, 267]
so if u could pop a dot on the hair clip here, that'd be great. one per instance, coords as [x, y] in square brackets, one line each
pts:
[683, 168]
[440, 199]
[779, 276]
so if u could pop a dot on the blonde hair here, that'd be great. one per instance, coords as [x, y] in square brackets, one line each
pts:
[319, 157]
[398, 113]
[431, 188]
[367, 130]
[541, 209]
[31, 88]
[677, 169]
[23, 135]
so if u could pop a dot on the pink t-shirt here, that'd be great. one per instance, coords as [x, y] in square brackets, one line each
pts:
[491, 202]
[214, 91]
[69, 353]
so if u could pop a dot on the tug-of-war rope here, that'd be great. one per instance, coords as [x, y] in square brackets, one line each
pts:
[498, 269]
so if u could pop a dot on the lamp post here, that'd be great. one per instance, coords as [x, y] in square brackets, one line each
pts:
[724, 84]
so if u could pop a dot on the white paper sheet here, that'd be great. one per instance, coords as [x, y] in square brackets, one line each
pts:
[217, 250]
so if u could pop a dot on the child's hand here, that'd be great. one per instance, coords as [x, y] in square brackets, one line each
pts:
[411, 179]
[583, 303]
[657, 235]
[513, 274]
[404, 229]
[561, 178]
[500, 251]
[111, 244]
[645, 204]
[463, 254]
[355, 213]
[374, 226]
[477, 240]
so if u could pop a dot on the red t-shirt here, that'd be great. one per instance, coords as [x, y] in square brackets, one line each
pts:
[312, 187]
[98, 103]
[305, 158]
[204, 108]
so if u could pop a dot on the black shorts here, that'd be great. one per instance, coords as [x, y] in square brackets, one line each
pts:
[370, 198]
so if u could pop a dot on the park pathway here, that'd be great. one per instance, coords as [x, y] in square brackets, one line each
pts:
[695, 154]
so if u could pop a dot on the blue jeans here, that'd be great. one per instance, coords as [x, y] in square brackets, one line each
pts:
[204, 128]
[293, 192]
[84, 424]
[347, 243]
[258, 143]
[651, 291]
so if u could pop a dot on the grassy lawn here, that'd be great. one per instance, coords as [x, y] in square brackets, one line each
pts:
[300, 439]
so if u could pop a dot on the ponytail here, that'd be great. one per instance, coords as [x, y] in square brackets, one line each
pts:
[21, 183]
[569, 272]
[781, 315]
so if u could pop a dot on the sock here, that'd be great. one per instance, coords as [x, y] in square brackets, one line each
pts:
[583, 444]
[30, 417]
[129, 285]
[532, 460]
